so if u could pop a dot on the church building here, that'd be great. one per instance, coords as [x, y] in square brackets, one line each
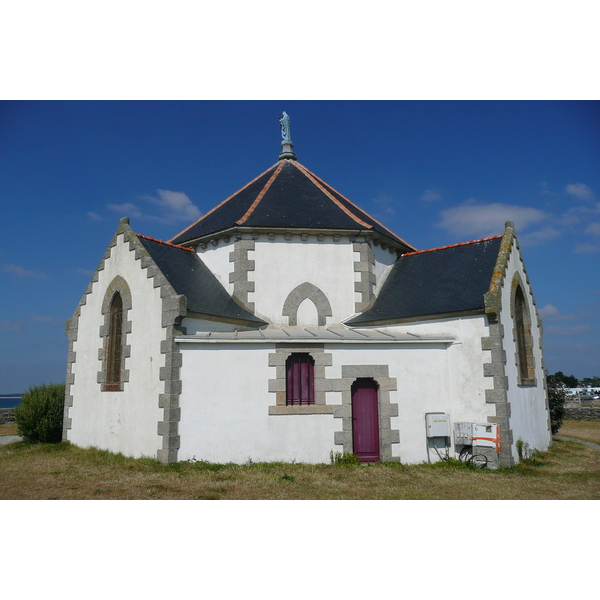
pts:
[287, 324]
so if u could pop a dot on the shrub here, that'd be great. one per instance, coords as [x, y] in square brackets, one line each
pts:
[344, 458]
[557, 397]
[40, 415]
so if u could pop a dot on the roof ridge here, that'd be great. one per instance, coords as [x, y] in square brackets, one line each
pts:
[261, 194]
[358, 207]
[318, 183]
[147, 237]
[493, 237]
[212, 210]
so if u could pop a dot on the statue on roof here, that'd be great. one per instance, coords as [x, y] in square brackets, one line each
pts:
[284, 123]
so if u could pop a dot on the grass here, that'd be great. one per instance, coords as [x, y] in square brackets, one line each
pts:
[583, 430]
[568, 471]
[8, 429]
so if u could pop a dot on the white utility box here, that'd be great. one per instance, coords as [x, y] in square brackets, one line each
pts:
[438, 425]
[463, 434]
[486, 435]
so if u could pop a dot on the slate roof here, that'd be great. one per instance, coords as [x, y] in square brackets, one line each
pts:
[441, 281]
[287, 195]
[189, 276]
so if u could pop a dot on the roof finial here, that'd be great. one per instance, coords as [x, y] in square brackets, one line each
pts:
[286, 145]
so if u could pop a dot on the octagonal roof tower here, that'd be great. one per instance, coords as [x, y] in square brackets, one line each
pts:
[287, 198]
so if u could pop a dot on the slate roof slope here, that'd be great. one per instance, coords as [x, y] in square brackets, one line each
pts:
[441, 281]
[287, 195]
[189, 276]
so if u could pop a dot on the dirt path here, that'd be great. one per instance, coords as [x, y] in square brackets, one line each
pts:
[9, 439]
[567, 438]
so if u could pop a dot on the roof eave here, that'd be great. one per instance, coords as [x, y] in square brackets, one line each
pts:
[376, 237]
[254, 323]
[356, 321]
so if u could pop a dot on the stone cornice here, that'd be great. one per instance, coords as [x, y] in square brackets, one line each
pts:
[353, 235]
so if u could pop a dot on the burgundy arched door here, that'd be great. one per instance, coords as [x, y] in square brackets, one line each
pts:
[365, 420]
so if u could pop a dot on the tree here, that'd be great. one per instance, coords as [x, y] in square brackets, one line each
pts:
[557, 397]
[39, 417]
[570, 381]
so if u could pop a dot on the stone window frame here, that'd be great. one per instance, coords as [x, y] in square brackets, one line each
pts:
[522, 336]
[322, 385]
[303, 292]
[117, 285]
[298, 393]
[386, 408]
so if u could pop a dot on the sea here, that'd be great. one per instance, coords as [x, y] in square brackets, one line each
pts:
[9, 401]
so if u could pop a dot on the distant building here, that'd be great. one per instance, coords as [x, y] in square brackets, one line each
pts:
[287, 323]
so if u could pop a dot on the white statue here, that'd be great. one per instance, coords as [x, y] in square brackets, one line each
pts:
[284, 123]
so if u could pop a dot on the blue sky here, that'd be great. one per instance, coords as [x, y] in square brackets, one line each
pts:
[435, 172]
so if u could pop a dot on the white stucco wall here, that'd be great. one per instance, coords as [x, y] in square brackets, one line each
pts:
[225, 397]
[384, 260]
[216, 258]
[282, 265]
[224, 410]
[123, 421]
[529, 415]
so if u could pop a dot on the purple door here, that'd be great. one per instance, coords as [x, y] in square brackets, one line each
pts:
[365, 420]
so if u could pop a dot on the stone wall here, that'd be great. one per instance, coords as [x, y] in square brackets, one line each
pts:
[7, 415]
[587, 414]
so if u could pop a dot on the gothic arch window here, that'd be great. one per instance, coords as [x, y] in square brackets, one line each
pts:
[522, 336]
[115, 341]
[115, 351]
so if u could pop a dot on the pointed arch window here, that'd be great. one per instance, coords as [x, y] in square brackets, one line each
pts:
[523, 339]
[115, 343]
[113, 332]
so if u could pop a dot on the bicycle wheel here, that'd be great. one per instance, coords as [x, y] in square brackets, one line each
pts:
[479, 460]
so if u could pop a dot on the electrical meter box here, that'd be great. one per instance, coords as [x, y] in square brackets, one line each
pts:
[438, 425]
[463, 434]
[486, 435]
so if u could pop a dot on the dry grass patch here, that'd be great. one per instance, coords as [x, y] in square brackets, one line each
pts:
[584, 430]
[8, 429]
[61, 471]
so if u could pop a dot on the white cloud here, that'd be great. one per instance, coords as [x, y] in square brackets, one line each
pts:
[580, 190]
[10, 326]
[551, 313]
[430, 196]
[541, 236]
[94, 216]
[41, 318]
[586, 248]
[593, 228]
[82, 271]
[21, 272]
[172, 207]
[569, 331]
[385, 204]
[480, 220]
[175, 206]
[126, 210]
